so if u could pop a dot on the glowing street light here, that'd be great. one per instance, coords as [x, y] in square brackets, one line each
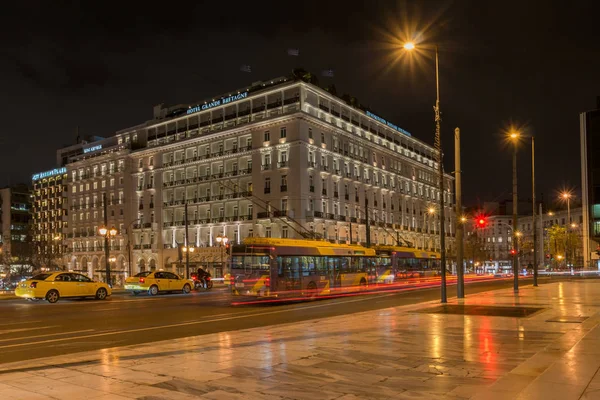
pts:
[410, 46]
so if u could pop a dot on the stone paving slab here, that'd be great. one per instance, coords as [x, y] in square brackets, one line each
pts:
[395, 353]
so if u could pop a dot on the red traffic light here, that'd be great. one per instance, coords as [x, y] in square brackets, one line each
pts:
[481, 221]
[513, 251]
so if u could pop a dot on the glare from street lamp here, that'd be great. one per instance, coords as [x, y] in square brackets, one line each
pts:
[463, 219]
[431, 210]
[565, 195]
[102, 231]
[113, 231]
[225, 239]
[219, 238]
[514, 135]
[409, 46]
[191, 249]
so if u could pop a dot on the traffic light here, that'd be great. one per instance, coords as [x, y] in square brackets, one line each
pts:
[481, 221]
[513, 252]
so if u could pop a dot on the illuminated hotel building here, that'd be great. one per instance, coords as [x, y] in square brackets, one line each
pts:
[282, 158]
[94, 169]
[47, 216]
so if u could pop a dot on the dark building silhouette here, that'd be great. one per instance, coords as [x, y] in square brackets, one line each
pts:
[590, 183]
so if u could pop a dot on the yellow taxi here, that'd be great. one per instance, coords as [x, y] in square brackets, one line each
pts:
[155, 282]
[53, 286]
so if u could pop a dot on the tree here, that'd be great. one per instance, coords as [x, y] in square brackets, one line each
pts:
[560, 242]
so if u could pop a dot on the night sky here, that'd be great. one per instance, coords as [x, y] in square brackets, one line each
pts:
[103, 67]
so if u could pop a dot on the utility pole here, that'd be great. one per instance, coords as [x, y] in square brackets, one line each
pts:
[106, 242]
[367, 228]
[187, 253]
[438, 146]
[460, 288]
[535, 254]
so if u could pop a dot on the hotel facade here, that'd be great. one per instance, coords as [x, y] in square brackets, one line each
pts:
[282, 158]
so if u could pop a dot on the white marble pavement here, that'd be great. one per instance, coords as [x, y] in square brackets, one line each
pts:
[395, 353]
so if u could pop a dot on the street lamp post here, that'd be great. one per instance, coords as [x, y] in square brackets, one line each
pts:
[567, 197]
[440, 156]
[187, 250]
[535, 239]
[430, 211]
[107, 233]
[222, 242]
[514, 136]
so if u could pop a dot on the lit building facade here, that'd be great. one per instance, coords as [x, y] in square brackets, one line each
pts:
[95, 170]
[49, 194]
[282, 158]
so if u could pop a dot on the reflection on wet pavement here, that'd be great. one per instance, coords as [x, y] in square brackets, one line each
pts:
[471, 349]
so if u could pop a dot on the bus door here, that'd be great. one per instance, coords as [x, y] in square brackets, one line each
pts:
[288, 277]
[313, 277]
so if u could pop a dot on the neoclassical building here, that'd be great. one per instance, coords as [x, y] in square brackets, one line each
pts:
[282, 158]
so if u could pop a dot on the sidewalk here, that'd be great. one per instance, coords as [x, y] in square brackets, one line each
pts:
[466, 351]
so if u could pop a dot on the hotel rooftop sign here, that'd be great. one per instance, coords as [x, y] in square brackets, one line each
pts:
[216, 103]
[53, 172]
[383, 121]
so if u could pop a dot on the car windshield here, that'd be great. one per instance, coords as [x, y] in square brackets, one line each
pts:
[40, 277]
[142, 274]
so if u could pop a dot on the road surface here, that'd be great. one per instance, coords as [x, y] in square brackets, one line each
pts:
[32, 330]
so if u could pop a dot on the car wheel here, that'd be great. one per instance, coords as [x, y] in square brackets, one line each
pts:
[153, 291]
[101, 293]
[363, 284]
[135, 292]
[52, 296]
[187, 288]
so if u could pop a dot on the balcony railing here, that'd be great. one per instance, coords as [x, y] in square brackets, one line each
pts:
[224, 196]
[282, 164]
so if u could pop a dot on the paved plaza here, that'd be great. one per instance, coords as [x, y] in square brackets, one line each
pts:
[542, 344]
